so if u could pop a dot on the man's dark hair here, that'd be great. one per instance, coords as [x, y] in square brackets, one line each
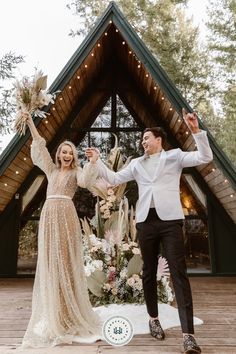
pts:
[157, 132]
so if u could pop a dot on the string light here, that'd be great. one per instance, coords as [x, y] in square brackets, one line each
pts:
[139, 66]
[186, 133]
[231, 195]
[123, 42]
[5, 184]
[146, 75]
[61, 98]
[213, 170]
[17, 172]
[155, 87]
[130, 52]
[92, 54]
[78, 77]
[171, 109]
[105, 33]
[179, 120]
[225, 180]
[110, 21]
[46, 121]
[86, 66]
[25, 158]
[99, 45]
[70, 87]
[117, 30]
[53, 108]
[163, 98]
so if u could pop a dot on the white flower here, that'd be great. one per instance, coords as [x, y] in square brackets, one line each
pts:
[95, 248]
[107, 258]
[130, 281]
[107, 287]
[98, 264]
[123, 273]
[136, 277]
[134, 244]
[111, 198]
[107, 214]
[136, 250]
[114, 291]
[103, 208]
[87, 271]
[125, 247]
[110, 191]
[112, 269]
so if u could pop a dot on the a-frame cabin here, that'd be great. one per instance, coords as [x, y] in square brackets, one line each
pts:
[113, 61]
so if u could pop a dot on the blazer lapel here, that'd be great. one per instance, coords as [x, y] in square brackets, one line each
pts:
[160, 166]
[139, 167]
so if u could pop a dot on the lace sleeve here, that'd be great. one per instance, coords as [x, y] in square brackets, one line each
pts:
[40, 156]
[86, 177]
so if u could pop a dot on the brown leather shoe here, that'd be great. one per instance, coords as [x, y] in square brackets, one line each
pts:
[156, 329]
[190, 345]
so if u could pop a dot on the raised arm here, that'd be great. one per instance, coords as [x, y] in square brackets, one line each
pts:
[204, 152]
[114, 178]
[33, 130]
[39, 153]
[86, 176]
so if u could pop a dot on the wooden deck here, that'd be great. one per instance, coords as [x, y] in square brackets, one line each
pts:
[214, 302]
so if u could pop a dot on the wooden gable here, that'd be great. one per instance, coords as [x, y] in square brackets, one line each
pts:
[113, 58]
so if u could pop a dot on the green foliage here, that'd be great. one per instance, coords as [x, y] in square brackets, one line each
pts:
[8, 64]
[222, 46]
[28, 241]
[165, 29]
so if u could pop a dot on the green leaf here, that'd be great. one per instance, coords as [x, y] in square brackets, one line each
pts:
[135, 265]
[41, 83]
[95, 282]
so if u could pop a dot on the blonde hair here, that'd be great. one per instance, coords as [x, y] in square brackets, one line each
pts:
[75, 162]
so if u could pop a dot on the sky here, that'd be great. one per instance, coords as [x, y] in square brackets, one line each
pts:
[38, 30]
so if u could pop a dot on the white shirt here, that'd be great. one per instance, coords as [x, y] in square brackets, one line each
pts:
[150, 164]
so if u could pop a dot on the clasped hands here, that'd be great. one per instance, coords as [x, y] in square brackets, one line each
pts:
[92, 154]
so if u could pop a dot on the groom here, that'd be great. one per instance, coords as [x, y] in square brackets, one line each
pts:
[159, 217]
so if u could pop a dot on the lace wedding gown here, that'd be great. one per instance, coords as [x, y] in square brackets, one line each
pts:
[61, 310]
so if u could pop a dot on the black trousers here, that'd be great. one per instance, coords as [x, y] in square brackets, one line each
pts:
[150, 234]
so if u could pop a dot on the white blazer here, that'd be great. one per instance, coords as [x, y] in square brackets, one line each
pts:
[164, 185]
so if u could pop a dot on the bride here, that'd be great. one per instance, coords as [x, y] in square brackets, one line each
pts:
[61, 310]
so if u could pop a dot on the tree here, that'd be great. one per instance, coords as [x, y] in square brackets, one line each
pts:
[169, 34]
[8, 64]
[222, 46]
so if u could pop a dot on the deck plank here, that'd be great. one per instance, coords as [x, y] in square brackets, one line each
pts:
[214, 302]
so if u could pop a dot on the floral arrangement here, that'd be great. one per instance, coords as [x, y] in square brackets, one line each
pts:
[113, 264]
[31, 96]
[114, 272]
